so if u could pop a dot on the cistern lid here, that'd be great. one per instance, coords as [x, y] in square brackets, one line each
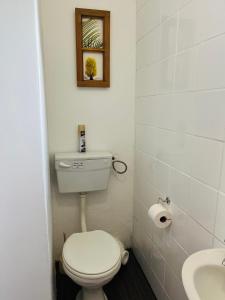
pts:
[93, 252]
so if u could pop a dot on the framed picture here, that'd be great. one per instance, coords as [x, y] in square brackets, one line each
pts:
[93, 47]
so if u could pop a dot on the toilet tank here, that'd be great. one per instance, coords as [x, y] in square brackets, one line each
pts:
[82, 172]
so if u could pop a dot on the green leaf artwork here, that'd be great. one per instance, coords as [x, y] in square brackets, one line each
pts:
[91, 34]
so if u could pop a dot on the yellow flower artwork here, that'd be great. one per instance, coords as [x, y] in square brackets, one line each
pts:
[90, 67]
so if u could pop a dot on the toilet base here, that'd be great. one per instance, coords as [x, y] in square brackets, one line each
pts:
[91, 294]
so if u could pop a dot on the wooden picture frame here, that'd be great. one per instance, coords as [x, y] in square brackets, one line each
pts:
[92, 47]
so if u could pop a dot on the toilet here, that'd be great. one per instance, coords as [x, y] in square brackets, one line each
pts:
[90, 258]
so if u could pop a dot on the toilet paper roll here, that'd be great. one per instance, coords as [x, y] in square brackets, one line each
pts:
[160, 216]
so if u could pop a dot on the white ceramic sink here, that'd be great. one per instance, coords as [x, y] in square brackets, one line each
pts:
[203, 275]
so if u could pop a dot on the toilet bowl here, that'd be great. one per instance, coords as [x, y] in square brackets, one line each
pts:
[91, 259]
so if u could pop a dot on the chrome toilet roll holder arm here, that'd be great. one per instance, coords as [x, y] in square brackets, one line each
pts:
[164, 201]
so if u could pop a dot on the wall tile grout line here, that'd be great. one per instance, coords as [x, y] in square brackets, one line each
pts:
[185, 132]
[179, 171]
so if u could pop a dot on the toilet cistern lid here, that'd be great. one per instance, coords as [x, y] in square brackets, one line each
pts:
[93, 252]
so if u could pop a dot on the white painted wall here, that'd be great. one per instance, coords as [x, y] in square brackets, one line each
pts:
[107, 113]
[25, 252]
[180, 134]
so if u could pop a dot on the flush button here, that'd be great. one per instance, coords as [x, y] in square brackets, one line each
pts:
[78, 165]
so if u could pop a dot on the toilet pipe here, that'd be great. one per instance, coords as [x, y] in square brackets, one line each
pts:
[124, 253]
[83, 212]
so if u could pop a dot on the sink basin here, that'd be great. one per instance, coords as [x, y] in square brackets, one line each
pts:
[203, 275]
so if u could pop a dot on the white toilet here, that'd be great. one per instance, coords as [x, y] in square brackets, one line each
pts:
[91, 259]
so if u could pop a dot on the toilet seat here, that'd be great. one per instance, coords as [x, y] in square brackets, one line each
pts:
[91, 254]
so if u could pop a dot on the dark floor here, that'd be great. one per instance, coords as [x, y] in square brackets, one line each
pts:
[129, 284]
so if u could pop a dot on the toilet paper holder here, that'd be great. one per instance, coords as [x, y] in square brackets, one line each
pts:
[167, 200]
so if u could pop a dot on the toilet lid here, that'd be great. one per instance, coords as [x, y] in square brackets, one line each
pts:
[91, 252]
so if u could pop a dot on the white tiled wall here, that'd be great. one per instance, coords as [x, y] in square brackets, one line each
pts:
[180, 134]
